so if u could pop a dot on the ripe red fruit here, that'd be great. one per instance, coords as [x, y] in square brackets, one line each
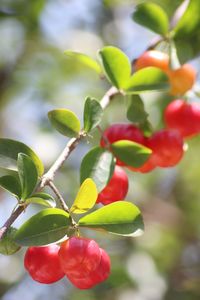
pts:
[116, 188]
[120, 131]
[83, 262]
[43, 264]
[100, 274]
[78, 255]
[183, 117]
[152, 58]
[167, 147]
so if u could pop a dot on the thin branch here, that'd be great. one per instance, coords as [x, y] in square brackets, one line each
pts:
[59, 196]
[15, 214]
[48, 177]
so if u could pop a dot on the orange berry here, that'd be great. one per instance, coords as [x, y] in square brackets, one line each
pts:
[153, 58]
[181, 79]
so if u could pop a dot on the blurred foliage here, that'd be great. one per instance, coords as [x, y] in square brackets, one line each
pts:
[35, 77]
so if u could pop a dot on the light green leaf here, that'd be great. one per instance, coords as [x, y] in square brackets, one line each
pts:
[11, 184]
[42, 199]
[65, 122]
[147, 79]
[9, 150]
[189, 22]
[116, 66]
[152, 16]
[47, 226]
[86, 197]
[93, 113]
[27, 174]
[121, 217]
[131, 153]
[136, 112]
[97, 164]
[85, 60]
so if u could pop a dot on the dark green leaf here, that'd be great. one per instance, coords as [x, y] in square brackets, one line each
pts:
[131, 153]
[98, 164]
[147, 128]
[65, 122]
[116, 66]
[93, 113]
[136, 112]
[48, 226]
[85, 60]
[189, 22]
[9, 150]
[42, 199]
[119, 217]
[27, 174]
[11, 184]
[152, 16]
[8, 245]
[147, 79]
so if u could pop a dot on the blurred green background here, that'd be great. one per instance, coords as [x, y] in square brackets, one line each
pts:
[35, 76]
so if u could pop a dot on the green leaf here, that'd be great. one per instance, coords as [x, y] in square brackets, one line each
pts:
[121, 217]
[9, 150]
[136, 112]
[147, 128]
[85, 60]
[116, 66]
[97, 164]
[27, 174]
[47, 226]
[147, 79]
[65, 122]
[11, 184]
[131, 153]
[152, 16]
[86, 197]
[8, 245]
[5, 172]
[42, 199]
[93, 113]
[189, 22]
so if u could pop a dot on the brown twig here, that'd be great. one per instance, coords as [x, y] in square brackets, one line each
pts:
[59, 196]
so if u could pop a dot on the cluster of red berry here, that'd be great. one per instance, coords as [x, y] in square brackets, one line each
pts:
[80, 259]
[182, 120]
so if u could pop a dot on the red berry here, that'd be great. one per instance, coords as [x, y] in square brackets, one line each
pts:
[116, 188]
[167, 147]
[122, 131]
[43, 264]
[183, 117]
[100, 274]
[78, 255]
